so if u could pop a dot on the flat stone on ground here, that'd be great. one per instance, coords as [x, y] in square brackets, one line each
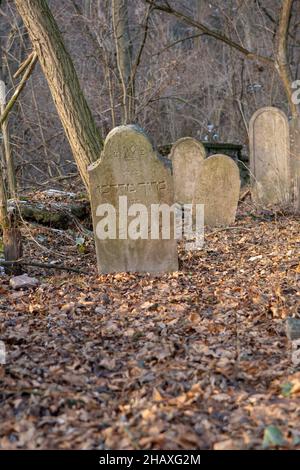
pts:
[23, 282]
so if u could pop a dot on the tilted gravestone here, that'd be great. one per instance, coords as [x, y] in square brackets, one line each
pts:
[295, 161]
[128, 178]
[270, 157]
[187, 155]
[218, 189]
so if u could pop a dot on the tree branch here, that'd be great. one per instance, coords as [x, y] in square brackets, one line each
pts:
[15, 96]
[42, 265]
[24, 65]
[141, 48]
[192, 36]
[209, 32]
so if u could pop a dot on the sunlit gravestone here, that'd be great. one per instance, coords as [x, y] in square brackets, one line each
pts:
[270, 158]
[295, 161]
[132, 197]
[218, 189]
[187, 155]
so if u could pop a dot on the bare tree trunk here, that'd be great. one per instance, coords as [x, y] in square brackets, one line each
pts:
[283, 68]
[11, 235]
[124, 57]
[71, 105]
[281, 61]
[12, 242]
[3, 200]
[11, 177]
[10, 170]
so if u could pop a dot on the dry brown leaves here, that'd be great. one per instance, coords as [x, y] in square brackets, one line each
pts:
[194, 359]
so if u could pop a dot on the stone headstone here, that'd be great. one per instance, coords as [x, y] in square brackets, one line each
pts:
[129, 167]
[270, 157]
[187, 155]
[295, 161]
[218, 189]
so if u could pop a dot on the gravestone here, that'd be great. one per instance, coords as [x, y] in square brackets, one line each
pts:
[218, 189]
[295, 161]
[129, 167]
[187, 156]
[269, 157]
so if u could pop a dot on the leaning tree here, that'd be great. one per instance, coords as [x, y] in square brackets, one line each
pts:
[73, 110]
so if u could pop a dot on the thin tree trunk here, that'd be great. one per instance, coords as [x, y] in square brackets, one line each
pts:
[11, 177]
[11, 234]
[3, 200]
[284, 70]
[58, 68]
[10, 170]
[281, 62]
[124, 57]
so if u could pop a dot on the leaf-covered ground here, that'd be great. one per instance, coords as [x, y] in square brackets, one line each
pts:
[194, 359]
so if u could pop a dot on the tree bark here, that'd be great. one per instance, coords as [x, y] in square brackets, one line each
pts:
[10, 168]
[11, 234]
[281, 62]
[284, 71]
[124, 57]
[3, 199]
[58, 68]
[57, 215]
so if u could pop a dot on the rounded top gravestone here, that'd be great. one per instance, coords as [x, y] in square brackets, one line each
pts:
[125, 182]
[295, 161]
[218, 190]
[187, 155]
[269, 157]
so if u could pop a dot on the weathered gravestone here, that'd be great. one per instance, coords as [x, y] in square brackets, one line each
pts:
[295, 161]
[128, 178]
[218, 189]
[270, 157]
[187, 155]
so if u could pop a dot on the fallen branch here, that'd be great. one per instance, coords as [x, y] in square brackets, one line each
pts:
[224, 229]
[33, 264]
[58, 215]
[243, 196]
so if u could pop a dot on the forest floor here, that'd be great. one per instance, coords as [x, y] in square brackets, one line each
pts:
[197, 359]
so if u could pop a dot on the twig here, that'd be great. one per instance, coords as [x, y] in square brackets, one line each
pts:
[243, 196]
[192, 36]
[42, 265]
[24, 65]
[224, 229]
